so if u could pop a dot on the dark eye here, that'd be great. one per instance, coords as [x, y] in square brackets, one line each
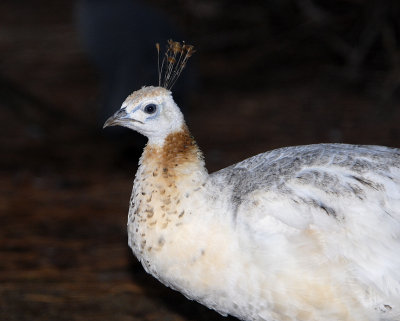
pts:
[150, 109]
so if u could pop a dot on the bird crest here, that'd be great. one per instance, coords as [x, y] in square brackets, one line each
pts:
[173, 62]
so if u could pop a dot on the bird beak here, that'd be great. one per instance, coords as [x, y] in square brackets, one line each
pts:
[119, 118]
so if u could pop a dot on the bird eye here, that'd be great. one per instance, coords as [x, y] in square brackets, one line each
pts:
[150, 109]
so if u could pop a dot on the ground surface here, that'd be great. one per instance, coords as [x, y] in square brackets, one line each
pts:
[65, 185]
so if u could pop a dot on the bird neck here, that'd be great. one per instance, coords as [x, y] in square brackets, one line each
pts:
[178, 150]
[167, 178]
[168, 174]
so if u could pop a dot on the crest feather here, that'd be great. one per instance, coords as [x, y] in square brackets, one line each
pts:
[174, 61]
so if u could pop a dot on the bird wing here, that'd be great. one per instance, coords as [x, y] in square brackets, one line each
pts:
[347, 194]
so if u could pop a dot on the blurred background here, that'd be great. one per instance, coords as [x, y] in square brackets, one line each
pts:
[266, 74]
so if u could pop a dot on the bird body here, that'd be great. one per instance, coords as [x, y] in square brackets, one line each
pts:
[298, 233]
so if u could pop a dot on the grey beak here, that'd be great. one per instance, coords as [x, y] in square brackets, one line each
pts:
[117, 119]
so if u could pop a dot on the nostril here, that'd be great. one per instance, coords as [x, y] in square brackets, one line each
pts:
[121, 113]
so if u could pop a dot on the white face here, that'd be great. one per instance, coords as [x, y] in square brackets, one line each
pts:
[150, 111]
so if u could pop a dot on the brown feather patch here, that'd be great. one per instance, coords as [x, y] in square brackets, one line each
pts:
[179, 148]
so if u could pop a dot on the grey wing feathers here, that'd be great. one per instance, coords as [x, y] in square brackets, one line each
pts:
[276, 167]
[337, 169]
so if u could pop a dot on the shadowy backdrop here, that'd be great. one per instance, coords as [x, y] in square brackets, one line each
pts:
[266, 74]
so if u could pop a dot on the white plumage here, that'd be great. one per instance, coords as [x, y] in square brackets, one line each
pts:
[299, 233]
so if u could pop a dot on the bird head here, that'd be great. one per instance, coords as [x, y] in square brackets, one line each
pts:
[150, 111]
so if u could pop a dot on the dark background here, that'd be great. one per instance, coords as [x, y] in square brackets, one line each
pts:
[266, 74]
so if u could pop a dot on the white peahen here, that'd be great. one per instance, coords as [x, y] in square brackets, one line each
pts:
[307, 233]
